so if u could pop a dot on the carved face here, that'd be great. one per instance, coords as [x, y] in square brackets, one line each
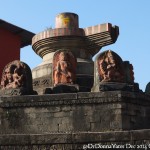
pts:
[62, 56]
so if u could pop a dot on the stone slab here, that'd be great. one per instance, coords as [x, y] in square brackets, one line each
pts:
[82, 138]
[114, 86]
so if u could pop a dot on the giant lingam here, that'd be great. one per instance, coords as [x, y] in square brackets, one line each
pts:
[82, 43]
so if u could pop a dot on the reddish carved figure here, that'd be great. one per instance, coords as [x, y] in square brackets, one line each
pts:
[13, 76]
[64, 68]
[110, 67]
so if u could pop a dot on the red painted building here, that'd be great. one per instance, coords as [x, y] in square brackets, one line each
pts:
[12, 38]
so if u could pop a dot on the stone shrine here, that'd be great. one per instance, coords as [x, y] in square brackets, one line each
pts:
[83, 43]
[65, 114]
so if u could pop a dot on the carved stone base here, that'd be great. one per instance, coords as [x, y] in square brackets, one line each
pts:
[17, 91]
[114, 86]
[66, 88]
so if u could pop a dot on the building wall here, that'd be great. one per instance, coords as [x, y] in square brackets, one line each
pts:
[9, 48]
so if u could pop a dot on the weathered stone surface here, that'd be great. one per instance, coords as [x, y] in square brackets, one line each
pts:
[65, 88]
[16, 79]
[74, 119]
[17, 91]
[74, 141]
[74, 112]
[41, 84]
[113, 86]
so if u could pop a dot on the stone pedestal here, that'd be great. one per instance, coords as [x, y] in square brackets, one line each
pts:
[133, 139]
[65, 88]
[78, 112]
[115, 86]
[72, 120]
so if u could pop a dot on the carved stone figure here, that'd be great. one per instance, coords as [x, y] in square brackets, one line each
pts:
[17, 75]
[13, 76]
[64, 66]
[112, 73]
[110, 67]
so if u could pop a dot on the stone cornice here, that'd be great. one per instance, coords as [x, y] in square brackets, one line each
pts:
[74, 99]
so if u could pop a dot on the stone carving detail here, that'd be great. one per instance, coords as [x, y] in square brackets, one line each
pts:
[13, 76]
[36, 83]
[16, 78]
[110, 67]
[112, 73]
[64, 67]
[41, 82]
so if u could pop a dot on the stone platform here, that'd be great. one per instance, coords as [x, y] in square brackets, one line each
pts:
[74, 112]
[74, 119]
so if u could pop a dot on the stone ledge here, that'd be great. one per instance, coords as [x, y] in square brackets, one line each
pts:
[75, 98]
[76, 138]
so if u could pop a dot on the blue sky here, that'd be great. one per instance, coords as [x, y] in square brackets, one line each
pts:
[132, 17]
